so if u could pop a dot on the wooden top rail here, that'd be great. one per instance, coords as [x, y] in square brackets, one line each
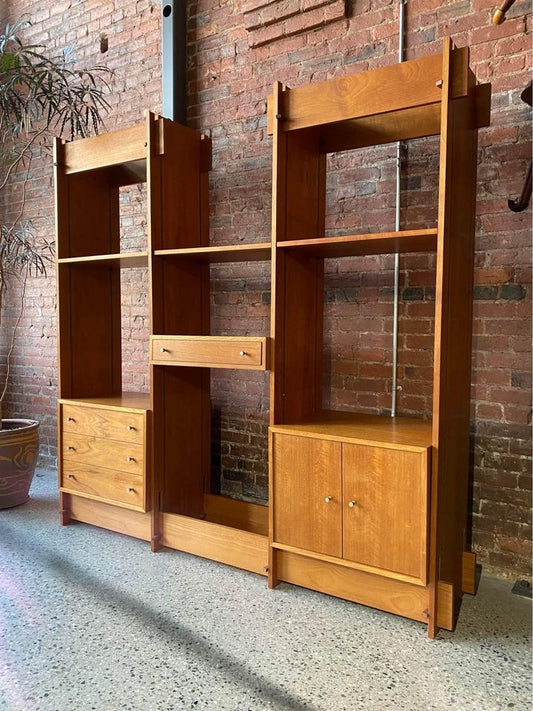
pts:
[107, 149]
[398, 87]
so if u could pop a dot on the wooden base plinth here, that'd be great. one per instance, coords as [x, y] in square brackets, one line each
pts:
[241, 549]
[386, 594]
[113, 518]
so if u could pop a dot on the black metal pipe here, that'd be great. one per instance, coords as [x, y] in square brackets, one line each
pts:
[173, 71]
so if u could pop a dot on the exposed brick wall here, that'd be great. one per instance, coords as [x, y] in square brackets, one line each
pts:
[231, 67]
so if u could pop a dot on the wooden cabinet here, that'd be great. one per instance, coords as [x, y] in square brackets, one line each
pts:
[106, 431]
[369, 508]
[393, 534]
[104, 454]
[366, 505]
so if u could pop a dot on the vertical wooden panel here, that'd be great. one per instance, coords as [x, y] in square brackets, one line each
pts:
[181, 187]
[306, 471]
[90, 330]
[299, 204]
[305, 186]
[387, 526]
[179, 416]
[453, 333]
[277, 309]
[301, 368]
[93, 216]
[469, 573]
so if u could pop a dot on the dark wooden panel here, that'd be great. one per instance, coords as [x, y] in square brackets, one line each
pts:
[93, 216]
[305, 186]
[181, 188]
[91, 331]
[299, 204]
[301, 382]
[180, 417]
[184, 295]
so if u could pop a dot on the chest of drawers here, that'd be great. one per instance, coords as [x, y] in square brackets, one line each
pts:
[104, 454]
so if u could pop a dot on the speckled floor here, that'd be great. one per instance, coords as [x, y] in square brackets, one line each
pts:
[93, 620]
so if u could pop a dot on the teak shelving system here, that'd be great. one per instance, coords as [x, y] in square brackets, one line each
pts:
[369, 508]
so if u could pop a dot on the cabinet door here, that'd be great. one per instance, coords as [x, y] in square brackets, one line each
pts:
[386, 509]
[307, 493]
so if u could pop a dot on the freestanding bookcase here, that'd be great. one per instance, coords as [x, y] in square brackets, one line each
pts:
[365, 507]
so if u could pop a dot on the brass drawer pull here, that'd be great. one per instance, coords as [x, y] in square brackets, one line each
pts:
[243, 353]
[328, 499]
[130, 490]
[70, 419]
[164, 350]
[70, 476]
[70, 448]
[351, 504]
[130, 428]
[130, 459]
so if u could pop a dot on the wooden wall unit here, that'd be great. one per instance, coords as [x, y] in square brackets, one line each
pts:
[138, 463]
[369, 508]
[378, 500]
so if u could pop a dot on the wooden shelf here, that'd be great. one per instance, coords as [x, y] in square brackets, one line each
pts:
[124, 400]
[122, 260]
[226, 253]
[357, 245]
[398, 432]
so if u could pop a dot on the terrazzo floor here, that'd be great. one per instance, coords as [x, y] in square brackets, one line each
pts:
[94, 620]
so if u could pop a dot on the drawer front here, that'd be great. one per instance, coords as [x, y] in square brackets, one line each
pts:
[97, 422]
[211, 352]
[108, 484]
[103, 453]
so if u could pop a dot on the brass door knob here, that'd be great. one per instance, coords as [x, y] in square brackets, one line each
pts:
[351, 504]
[327, 499]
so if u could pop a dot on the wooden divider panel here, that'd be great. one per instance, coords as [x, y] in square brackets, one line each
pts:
[453, 334]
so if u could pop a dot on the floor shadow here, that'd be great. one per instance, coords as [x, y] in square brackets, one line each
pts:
[12, 538]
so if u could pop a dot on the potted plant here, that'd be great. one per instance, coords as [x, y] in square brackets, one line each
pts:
[39, 95]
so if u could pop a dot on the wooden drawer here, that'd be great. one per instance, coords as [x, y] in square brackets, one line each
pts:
[98, 422]
[108, 484]
[103, 453]
[211, 351]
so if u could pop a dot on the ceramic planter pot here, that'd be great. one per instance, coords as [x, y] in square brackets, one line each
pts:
[19, 447]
